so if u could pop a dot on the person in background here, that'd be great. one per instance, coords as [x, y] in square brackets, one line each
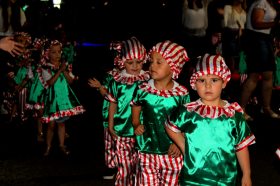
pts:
[260, 55]
[160, 160]
[234, 23]
[211, 133]
[12, 17]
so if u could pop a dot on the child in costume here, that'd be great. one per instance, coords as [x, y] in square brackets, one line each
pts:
[103, 90]
[160, 160]
[211, 133]
[130, 59]
[35, 98]
[60, 101]
[21, 74]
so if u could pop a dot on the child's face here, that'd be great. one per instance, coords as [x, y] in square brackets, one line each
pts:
[209, 89]
[134, 66]
[159, 68]
[55, 53]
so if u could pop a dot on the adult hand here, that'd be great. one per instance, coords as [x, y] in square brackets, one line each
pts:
[9, 45]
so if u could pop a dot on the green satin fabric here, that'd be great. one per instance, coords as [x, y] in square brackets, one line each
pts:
[155, 110]
[68, 53]
[122, 118]
[105, 107]
[210, 157]
[21, 74]
[59, 97]
[36, 90]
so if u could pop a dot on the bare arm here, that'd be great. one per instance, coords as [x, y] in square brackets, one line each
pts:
[56, 75]
[139, 129]
[94, 83]
[178, 139]
[244, 162]
[68, 77]
[257, 20]
[112, 111]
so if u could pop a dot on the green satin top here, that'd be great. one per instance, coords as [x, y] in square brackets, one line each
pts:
[121, 92]
[36, 89]
[155, 107]
[211, 143]
[105, 107]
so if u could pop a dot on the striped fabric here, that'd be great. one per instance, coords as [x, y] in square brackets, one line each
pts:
[110, 150]
[174, 54]
[211, 64]
[158, 169]
[126, 161]
[213, 111]
[128, 50]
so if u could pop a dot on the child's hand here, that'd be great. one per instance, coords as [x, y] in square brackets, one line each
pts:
[94, 83]
[174, 151]
[246, 181]
[112, 133]
[139, 130]
[11, 75]
[63, 67]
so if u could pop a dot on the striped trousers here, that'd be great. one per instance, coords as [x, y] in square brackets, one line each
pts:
[110, 150]
[126, 161]
[158, 170]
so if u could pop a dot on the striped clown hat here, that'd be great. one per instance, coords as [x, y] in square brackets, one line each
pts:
[174, 54]
[210, 64]
[128, 50]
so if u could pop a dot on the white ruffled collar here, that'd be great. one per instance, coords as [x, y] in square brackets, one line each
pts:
[125, 78]
[177, 90]
[213, 111]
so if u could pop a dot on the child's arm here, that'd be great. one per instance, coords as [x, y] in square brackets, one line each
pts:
[244, 162]
[178, 139]
[112, 111]
[68, 77]
[139, 129]
[56, 75]
[94, 83]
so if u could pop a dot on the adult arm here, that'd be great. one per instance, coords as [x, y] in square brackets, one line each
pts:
[9, 45]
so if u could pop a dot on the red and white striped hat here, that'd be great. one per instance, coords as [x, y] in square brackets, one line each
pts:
[211, 64]
[174, 54]
[128, 50]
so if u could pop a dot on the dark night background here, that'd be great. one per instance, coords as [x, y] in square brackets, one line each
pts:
[89, 21]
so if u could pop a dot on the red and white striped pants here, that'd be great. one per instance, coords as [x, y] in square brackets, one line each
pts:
[158, 170]
[127, 159]
[110, 150]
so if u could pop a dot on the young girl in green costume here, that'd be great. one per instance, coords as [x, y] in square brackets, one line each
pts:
[60, 102]
[211, 133]
[130, 59]
[160, 160]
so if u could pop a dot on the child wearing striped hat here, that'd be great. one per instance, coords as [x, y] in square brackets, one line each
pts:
[160, 160]
[131, 56]
[215, 133]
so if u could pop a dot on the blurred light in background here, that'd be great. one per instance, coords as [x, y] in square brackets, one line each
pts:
[57, 3]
